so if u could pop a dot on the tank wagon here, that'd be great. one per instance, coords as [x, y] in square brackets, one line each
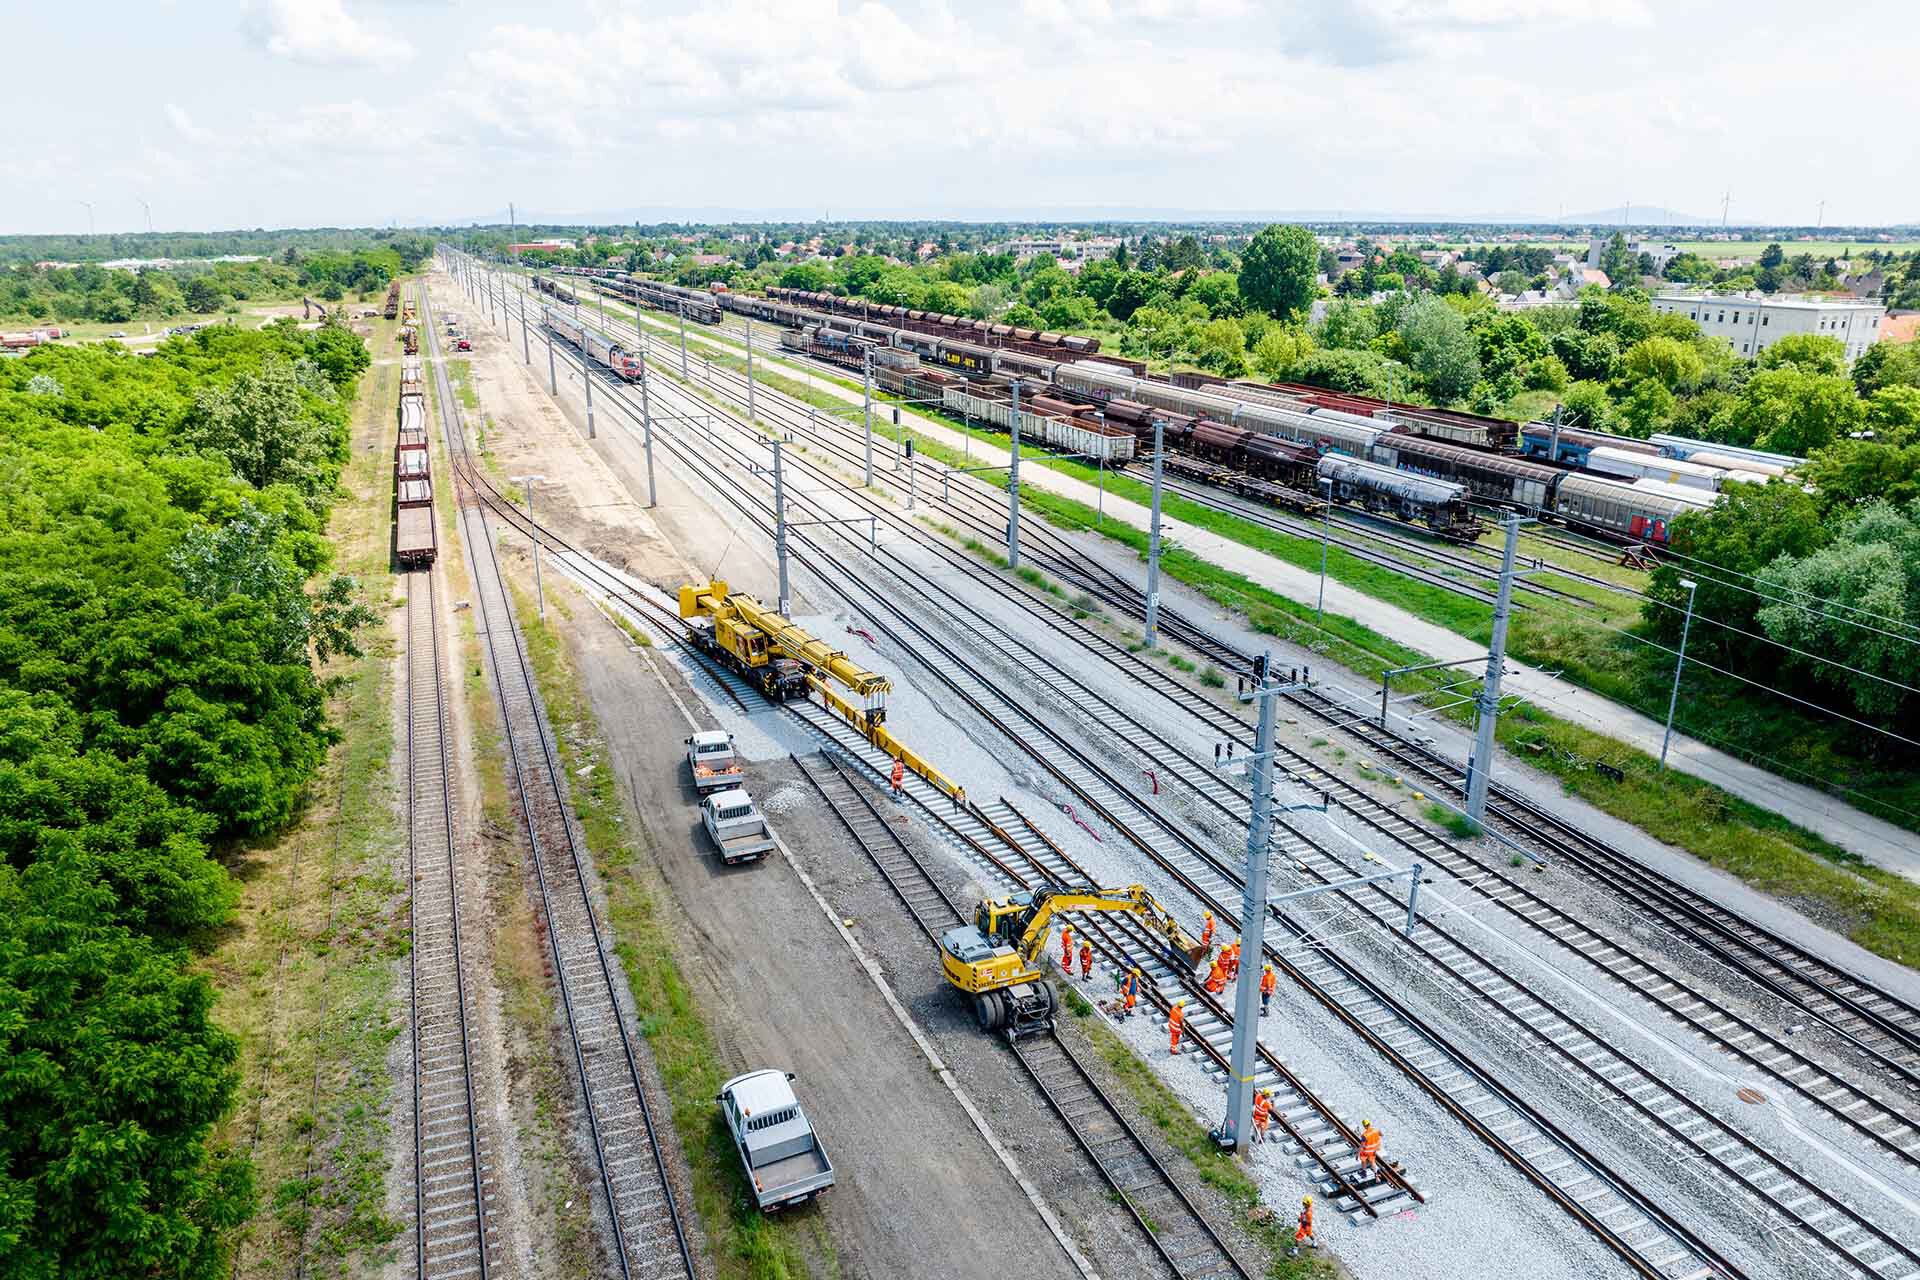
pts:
[1437, 504]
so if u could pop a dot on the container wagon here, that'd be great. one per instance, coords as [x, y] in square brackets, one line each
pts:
[1682, 447]
[1504, 481]
[1437, 504]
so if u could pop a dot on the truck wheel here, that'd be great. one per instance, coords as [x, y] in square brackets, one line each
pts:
[986, 1010]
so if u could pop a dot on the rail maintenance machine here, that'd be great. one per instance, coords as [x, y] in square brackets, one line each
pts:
[785, 661]
[996, 959]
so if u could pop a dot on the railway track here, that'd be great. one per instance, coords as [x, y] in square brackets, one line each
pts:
[1178, 1231]
[647, 1238]
[1638, 1228]
[1885, 1030]
[451, 1171]
[1872, 1263]
[1375, 540]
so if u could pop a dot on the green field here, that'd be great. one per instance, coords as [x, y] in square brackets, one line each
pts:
[1711, 249]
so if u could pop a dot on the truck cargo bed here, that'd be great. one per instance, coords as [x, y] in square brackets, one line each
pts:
[794, 1177]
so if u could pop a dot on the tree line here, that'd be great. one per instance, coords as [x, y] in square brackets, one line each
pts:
[165, 593]
[94, 293]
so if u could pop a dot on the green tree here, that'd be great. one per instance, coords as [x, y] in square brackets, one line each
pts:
[1279, 350]
[1771, 258]
[1812, 352]
[1789, 410]
[1648, 408]
[1852, 473]
[1348, 324]
[1362, 372]
[1886, 364]
[813, 277]
[1872, 567]
[1675, 365]
[1219, 293]
[1893, 413]
[261, 425]
[1588, 405]
[1221, 346]
[1439, 348]
[204, 297]
[1619, 262]
[1278, 269]
[112, 1076]
[1750, 527]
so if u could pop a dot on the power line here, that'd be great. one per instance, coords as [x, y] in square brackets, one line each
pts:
[1801, 653]
[1746, 680]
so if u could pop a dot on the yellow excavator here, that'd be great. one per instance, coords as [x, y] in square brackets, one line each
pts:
[997, 959]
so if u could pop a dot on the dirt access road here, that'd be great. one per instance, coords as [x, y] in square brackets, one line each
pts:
[920, 1192]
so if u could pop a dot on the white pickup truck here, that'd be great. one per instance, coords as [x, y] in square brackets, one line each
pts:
[781, 1153]
[711, 760]
[735, 826]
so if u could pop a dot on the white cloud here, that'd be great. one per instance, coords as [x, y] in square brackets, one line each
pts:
[184, 125]
[322, 33]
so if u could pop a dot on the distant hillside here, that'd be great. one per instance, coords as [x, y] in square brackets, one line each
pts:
[1638, 215]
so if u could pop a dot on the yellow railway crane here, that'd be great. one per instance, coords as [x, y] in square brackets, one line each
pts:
[787, 661]
[997, 959]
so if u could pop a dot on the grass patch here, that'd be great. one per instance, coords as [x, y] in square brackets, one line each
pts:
[1213, 677]
[1458, 823]
[746, 1245]
[307, 982]
[460, 373]
[1175, 1120]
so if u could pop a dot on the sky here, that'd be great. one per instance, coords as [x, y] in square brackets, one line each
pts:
[363, 112]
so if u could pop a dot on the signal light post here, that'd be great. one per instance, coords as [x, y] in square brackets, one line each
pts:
[866, 380]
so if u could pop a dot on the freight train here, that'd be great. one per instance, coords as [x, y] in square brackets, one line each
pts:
[695, 304]
[1274, 434]
[415, 531]
[595, 347]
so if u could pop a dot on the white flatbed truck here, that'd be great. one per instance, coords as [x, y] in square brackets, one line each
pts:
[711, 761]
[782, 1155]
[735, 826]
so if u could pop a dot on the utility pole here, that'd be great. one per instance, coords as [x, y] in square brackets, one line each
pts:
[149, 209]
[683, 339]
[866, 380]
[913, 487]
[539, 589]
[1253, 917]
[646, 431]
[780, 531]
[586, 380]
[526, 352]
[1153, 540]
[553, 378]
[752, 419]
[1480, 764]
[1673, 699]
[1326, 534]
[1013, 486]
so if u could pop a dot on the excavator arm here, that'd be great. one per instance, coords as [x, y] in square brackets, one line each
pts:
[1134, 900]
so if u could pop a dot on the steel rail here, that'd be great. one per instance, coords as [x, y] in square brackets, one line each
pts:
[649, 1237]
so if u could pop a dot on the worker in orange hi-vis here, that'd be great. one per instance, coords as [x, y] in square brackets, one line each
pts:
[899, 778]
[1303, 1227]
[1267, 984]
[1262, 1115]
[1130, 993]
[1206, 931]
[1369, 1148]
[1232, 954]
[1066, 949]
[1176, 1022]
[1086, 960]
[1217, 977]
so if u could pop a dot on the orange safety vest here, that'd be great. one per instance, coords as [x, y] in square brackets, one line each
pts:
[1370, 1143]
[899, 770]
[1262, 1109]
[1176, 1017]
[1266, 983]
[1216, 978]
[1305, 1228]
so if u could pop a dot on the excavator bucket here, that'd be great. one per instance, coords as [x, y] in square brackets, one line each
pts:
[1196, 954]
